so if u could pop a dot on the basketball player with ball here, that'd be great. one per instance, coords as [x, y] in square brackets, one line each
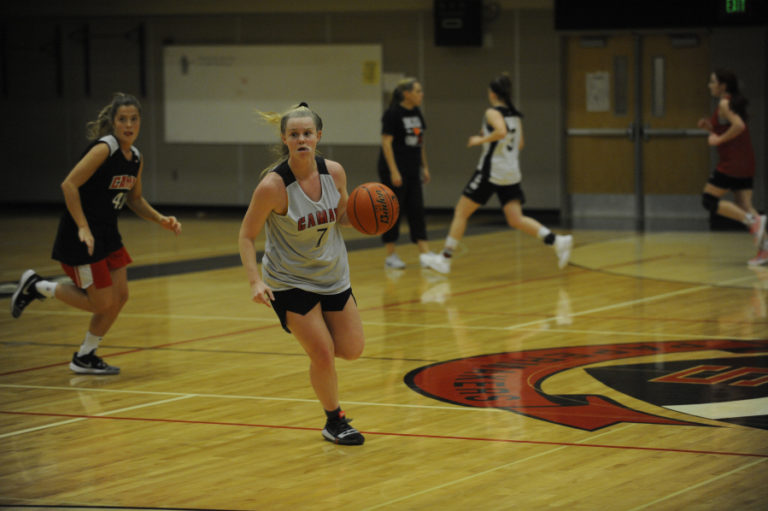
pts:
[300, 204]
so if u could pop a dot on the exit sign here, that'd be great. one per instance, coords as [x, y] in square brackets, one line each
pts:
[654, 14]
[741, 12]
[735, 6]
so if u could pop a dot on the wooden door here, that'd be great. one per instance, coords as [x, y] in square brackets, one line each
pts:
[675, 153]
[632, 103]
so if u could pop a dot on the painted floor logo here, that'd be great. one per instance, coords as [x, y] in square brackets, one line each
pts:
[733, 389]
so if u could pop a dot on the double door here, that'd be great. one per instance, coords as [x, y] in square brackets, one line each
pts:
[632, 103]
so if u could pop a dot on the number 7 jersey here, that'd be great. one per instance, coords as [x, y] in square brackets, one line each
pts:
[304, 248]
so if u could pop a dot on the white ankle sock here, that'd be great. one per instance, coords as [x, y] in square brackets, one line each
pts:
[450, 246]
[543, 232]
[90, 343]
[46, 288]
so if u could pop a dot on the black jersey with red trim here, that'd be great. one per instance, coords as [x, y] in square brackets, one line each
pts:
[103, 196]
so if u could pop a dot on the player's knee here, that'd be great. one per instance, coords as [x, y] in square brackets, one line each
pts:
[350, 350]
[122, 297]
[514, 221]
[103, 305]
[710, 202]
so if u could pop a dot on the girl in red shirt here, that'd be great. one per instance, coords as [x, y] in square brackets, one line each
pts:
[736, 167]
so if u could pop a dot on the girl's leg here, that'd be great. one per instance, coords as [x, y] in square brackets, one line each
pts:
[105, 304]
[441, 262]
[464, 209]
[108, 302]
[757, 223]
[513, 212]
[744, 201]
[423, 246]
[414, 209]
[741, 211]
[726, 208]
[346, 330]
[314, 336]
[562, 245]
[391, 236]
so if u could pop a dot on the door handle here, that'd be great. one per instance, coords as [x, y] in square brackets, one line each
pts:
[601, 132]
[648, 132]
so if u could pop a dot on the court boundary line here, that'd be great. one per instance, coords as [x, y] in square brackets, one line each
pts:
[109, 416]
[78, 418]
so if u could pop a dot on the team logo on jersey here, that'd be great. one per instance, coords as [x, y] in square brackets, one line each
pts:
[321, 217]
[413, 130]
[124, 182]
[693, 391]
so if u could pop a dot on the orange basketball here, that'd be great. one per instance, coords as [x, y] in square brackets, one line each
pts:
[372, 208]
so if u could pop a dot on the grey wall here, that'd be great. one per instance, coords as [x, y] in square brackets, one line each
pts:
[43, 130]
[44, 133]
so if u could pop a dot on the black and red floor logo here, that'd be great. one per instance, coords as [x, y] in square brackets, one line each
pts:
[732, 387]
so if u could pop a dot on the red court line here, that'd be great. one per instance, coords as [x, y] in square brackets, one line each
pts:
[205, 338]
[407, 435]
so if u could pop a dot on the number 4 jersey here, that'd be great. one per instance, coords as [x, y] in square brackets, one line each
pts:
[102, 198]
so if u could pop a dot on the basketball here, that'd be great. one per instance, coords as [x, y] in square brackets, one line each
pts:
[372, 208]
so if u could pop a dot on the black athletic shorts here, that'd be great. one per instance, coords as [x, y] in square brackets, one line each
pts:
[727, 182]
[300, 301]
[479, 189]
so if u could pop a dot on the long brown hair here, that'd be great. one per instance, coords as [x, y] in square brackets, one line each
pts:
[502, 87]
[103, 125]
[738, 102]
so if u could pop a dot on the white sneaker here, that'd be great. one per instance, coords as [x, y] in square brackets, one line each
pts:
[562, 246]
[760, 258]
[425, 258]
[393, 261]
[758, 229]
[437, 262]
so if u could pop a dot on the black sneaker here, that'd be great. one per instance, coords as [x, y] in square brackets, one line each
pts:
[91, 364]
[25, 293]
[340, 432]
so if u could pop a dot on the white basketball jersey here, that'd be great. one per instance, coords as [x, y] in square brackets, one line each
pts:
[304, 247]
[500, 160]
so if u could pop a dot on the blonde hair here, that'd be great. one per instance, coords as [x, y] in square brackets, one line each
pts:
[281, 120]
[103, 125]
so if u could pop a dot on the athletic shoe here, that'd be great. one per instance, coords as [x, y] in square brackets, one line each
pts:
[91, 364]
[760, 258]
[562, 246]
[437, 262]
[25, 293]
[758, 229]
[393, 261]
[340, 432]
